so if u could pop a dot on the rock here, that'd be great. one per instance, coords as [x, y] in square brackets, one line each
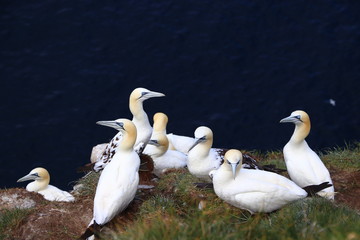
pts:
[18, 198]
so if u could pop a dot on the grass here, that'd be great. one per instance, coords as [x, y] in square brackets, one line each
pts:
[173, 210]
[177, 216]
[11, 219]
[88, 184]
[347, 157]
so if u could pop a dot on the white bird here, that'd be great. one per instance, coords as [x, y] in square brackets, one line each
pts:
[166, 158]
[303, 164]
[254, 190]
[41, 185]
[141, 121]
[157, 148]
[119, 180]
[202, 158]
[159, 128]
[180, 143]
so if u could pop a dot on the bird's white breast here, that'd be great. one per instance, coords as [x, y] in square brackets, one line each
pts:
[200, 165]
[170, 159]
[304, 165]
[117, 186]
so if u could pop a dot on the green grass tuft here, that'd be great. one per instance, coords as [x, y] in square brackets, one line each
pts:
[11, 219]
[347, 157]
[88, 184]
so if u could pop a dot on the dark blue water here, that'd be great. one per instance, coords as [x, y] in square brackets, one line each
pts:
[236, 66]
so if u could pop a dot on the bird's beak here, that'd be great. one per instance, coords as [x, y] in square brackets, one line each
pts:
[153, 142]
[199, 140]
[27, 178]
[233, 168]
[112, 124]
[152, 94]
[290, 119]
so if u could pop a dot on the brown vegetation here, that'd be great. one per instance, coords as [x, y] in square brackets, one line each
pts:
[63, 220]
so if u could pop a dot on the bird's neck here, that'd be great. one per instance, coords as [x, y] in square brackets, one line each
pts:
[136, 108]
[38, 185]
[160, 151]
[128, 141]
[225, 174]
[159, 127]
[203, 149]
[300, 133]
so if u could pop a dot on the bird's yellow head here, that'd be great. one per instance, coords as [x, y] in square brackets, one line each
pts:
[297, 117]
[141, 94]
[160, 121]
[233, 160]
[203, 135]
[37, 174]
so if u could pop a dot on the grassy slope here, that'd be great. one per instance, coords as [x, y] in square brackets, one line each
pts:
[173, 211]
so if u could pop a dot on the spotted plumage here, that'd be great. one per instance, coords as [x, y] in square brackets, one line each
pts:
[141, 121]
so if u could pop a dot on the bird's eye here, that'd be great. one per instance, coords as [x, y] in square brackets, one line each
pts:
[120, 124]
[298, 117]
[228, 162]
[35, 174]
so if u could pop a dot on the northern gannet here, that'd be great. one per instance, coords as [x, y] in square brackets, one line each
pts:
[159, 128]
[141, 121]
[202, 158]
[41, 185]
[119, 180]
[166, 158]
[157, 148]
[303, 164]
[254, 190]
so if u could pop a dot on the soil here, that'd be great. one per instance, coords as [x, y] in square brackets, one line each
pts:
[347, 186]
[63, 220]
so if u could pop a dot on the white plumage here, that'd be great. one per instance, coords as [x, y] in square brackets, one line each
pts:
[253, 190]
[303, 164]
[159, 128]
[119, 180]
[202, 158]
[41, 185]
[157, 148]
[180, 143]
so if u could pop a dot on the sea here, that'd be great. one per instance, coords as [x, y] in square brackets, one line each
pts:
[236, 66]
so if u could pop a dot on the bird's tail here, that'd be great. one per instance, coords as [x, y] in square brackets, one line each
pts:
[93, 229]
[313, 189]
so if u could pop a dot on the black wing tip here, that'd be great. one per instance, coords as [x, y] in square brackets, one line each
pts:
[313, 189]
[273, 168]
